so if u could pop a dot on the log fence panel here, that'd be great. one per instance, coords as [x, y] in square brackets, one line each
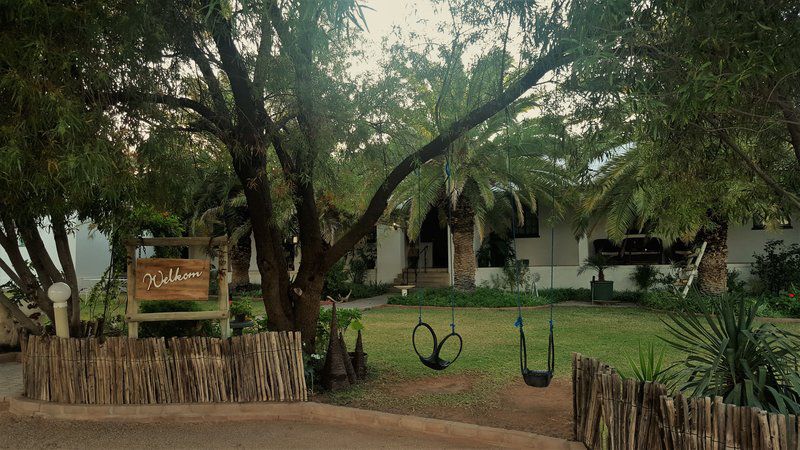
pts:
[262, 367]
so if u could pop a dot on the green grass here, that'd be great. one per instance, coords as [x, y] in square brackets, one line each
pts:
[490, 354]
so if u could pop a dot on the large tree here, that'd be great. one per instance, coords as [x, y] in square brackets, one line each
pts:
[60, 159]
[275, 81]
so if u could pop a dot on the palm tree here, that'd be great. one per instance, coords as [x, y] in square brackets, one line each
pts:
[496, 169]
[684, 193]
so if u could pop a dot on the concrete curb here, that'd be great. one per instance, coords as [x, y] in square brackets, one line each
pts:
[299, 412]
[11, 357]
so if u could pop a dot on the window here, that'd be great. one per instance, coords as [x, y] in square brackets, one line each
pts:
[530, 229]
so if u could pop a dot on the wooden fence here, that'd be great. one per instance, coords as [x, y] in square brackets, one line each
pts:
[248, 368]
[612, 413]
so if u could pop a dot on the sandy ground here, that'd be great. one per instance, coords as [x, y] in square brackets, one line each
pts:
[518, 407]
[19, 432]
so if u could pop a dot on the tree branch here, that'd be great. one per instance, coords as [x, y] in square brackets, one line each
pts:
[792, 117]
[250, 112]
[220, 123]
[217, 97]
[554, 59]
[771, 182]
[19, 316]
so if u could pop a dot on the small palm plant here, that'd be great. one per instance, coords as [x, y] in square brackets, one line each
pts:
[598, 263]
[728, 354]
[650, 366]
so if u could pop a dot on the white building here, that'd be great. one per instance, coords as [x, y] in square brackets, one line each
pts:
[91, 253]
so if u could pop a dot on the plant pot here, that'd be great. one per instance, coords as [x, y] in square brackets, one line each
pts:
[602, 291]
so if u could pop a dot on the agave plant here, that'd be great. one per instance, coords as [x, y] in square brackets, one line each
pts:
[650, 366]
[728, 354]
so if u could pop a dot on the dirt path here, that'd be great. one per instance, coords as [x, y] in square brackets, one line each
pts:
[19, 432]
[514, 406]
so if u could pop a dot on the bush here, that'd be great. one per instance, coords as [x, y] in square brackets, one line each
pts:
[367, 290]
[667, 300]
[241, 307]
[252, 290]
[644, 277]
[345, 317]
[729, 355]
[735, 284]
[778, 268]
[174, 328]
[484, 297]
[335, 281]
[769, 305]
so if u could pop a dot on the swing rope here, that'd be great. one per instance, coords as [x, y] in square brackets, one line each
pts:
[434, 360]
[535, 378]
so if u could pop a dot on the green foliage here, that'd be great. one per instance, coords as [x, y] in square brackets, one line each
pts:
[644, 276]
[735, 284]
[345, 318]
[241, 307]
[175, 327]
[367, 290]
[336, 280]
[778, 267]
[729, 355]
[668, 300]
[484, 297]
[650, 366]
[598, 263]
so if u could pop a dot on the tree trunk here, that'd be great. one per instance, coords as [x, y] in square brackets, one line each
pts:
[713, 270]
[70, 276]
[240, 262]
[464, 262]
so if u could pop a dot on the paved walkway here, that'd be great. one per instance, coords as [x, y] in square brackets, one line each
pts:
[27, 432]
[10, 379]
[364, 303]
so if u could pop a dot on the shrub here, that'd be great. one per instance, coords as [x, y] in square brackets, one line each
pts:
[252, 290]
[644, 277]
[335, 281]
[345, 317]
[241, 307]
[778, 268]
[729, 355]
[735, 284]
[668, 300]
[485, 297]
[367, 290]
[176, 327]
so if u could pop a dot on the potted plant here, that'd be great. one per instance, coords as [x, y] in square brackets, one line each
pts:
[602, 290]
[242, 311]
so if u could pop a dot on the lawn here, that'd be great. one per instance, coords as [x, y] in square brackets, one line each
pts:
[484, 384]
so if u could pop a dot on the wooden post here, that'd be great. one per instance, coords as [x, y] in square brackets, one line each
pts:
[133, 304]
[222, 275]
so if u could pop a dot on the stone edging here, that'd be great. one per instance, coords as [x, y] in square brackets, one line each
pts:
[301, 412]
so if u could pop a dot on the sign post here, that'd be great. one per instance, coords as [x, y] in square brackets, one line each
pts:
[154, 279]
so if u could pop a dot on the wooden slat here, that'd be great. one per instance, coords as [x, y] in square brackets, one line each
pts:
[176, 315]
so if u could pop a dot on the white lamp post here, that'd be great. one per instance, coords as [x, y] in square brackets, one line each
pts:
[59, 293]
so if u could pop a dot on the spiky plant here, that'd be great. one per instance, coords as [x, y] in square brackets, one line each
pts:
[597, 262]
[729, 354]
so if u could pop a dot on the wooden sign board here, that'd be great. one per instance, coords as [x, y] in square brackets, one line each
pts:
[172, 279]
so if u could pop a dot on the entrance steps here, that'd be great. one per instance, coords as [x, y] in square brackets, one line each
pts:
[430, 278]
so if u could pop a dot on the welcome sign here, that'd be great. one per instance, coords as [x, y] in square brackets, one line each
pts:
[172, 279]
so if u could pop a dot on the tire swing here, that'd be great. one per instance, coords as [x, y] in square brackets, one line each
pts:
[434, 360]
[534, 378]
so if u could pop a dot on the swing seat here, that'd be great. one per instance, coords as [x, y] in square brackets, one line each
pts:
[434, 361]
[537, 378]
